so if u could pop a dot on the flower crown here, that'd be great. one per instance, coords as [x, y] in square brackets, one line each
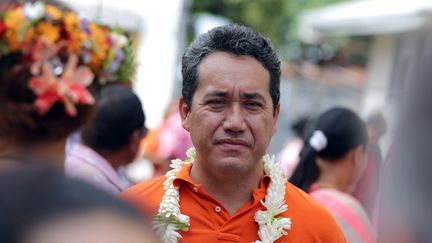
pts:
[43, 34]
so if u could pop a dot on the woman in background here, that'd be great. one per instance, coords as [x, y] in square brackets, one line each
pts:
[50, 59]
[332, 161]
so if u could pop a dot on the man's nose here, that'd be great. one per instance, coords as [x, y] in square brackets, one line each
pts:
[234, 119]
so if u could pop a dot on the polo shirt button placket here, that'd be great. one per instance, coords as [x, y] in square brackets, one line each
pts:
[195, 189]
[218, 209]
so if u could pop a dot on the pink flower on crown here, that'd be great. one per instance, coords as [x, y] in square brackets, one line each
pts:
[69, 89]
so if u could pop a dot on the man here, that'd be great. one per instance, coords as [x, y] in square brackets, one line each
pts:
[230, 105]
[110, 140]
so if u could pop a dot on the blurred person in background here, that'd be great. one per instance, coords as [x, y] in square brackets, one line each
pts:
[49, 62]
[290, 154]
[43, 206]
[331, 164]
[367, 187]
[228, 188]
[110, 140]
[406, 194]
[168, 141]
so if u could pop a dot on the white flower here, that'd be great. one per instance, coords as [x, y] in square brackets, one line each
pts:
[119, 40]
[265, 234]
[34, 10]
[190, 153]
[183, 218]
[263, 217]
[270, 227]
[176, 164]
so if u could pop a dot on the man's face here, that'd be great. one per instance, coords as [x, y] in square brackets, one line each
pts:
[231, 119]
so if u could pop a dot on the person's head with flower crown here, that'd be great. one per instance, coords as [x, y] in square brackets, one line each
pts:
[51, 64]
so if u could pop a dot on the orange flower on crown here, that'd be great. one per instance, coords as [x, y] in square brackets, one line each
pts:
[76, 40]
[14, 19]
[16, 40]
[75, 33]
[99, 37]
[95, 61]
[48, 32]
[71, 21]
[53, 12]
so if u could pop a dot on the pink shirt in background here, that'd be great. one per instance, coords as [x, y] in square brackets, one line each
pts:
[174, 140]
[86, 164]
[349, 214]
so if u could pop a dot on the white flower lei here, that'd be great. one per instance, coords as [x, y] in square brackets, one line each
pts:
[169, 218]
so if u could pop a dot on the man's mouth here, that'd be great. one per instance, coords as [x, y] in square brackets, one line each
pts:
[233, 142]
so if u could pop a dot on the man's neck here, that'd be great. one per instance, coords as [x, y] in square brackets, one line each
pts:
[114, 158]
[231, 189]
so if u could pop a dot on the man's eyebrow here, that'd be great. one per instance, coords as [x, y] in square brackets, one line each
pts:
[253, 96]
[216, 93]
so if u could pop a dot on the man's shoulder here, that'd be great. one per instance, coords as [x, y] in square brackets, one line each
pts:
[298, 196]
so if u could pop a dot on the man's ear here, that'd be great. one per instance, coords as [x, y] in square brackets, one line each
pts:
[184, 113]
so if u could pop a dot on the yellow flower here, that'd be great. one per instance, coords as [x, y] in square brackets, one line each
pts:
[15, 41]
[95, 62]
[53, 12]
[14, 18]
[12, 40]
[99, 38]
[48, 31]
[76, 35]
[71, 21]
[29, 35]
[76, 40]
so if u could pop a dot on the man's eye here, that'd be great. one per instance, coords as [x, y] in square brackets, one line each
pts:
[215, 102]
[253, 104]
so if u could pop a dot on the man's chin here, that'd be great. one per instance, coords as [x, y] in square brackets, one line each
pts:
[233, 164]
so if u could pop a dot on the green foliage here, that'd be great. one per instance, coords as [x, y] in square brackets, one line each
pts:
[129, 66]
[275, 19]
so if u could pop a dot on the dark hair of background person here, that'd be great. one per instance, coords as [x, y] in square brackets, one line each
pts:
[118, 115]
[301, 125]
[19, 120]
[344, 131]
[235, 39]
[32, 195]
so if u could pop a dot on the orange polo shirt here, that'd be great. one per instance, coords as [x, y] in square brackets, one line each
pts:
[211, 222]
